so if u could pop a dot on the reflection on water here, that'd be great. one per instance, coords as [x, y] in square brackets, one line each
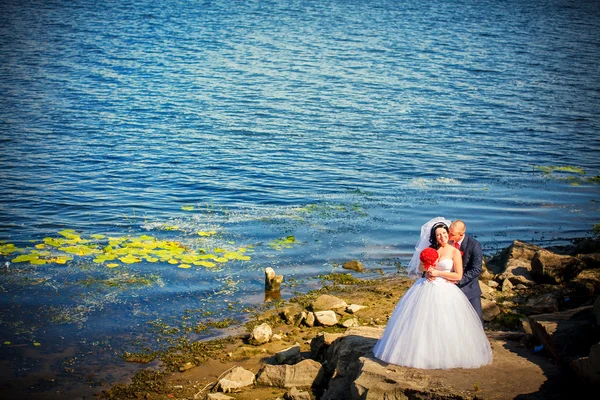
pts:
[271, 295]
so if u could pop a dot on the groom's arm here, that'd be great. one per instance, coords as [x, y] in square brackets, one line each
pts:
[476, 262]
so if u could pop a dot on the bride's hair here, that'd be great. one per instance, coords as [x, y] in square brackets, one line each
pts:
[432, 239]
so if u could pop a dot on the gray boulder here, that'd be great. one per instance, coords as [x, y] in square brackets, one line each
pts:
[327, 302]
[305, 374]
[235, 379]
[566, 335]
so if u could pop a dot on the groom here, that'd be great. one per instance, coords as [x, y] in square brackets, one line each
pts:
[472, 258]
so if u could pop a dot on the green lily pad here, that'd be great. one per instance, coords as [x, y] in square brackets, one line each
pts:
[8, 248]
[62, 259]
[24, 258]
[206, 264]
[129, 259]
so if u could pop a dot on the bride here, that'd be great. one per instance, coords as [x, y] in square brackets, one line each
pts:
[433, 325]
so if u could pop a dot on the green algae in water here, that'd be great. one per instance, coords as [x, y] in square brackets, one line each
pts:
[124, 281]
[283, 243]
[141, 357]
[572, 174]
[566, 168]
[144, 381]
[341, 279]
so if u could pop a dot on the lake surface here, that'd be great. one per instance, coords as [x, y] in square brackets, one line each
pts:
[157, 156]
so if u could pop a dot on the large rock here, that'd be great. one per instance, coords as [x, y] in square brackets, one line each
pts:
[354, 266]
[377, 380]
[295, 394]
[514, 261]
[291, 355]
[587, 283]
[326, 318]
[291, 314]
[566, 335]
[305, 374]
[487, 292]
[261, 334]
[542, 304]
[342, 358]
[358, 375]
[588, 368]
[237, 378]
[320, 343]
[327, 302]
[310, 319]
[549, 267]
[507, 285]
[486, 275]
[490, 310]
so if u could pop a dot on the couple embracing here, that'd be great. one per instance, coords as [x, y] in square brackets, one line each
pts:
[438, 324]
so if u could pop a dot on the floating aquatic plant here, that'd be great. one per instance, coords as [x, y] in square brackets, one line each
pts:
[566, 168]
[206, 264]
[573, 175]
[426, 183]
[283, 243]
[125, 249]
[9, 248]
[328, 210]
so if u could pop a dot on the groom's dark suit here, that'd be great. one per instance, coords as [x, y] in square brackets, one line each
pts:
[472, 264]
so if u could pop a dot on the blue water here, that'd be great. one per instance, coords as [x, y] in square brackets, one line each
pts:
[345, 124]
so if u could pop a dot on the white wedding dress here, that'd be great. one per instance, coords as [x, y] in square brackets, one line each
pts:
[434, 327]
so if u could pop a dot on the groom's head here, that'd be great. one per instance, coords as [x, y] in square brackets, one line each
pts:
[457, 230]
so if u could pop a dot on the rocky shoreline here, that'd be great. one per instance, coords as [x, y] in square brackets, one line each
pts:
[541, 312]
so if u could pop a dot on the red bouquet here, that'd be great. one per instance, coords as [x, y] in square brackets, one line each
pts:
[429, 257]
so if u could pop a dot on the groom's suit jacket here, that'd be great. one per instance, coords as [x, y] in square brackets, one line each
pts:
[472, 264]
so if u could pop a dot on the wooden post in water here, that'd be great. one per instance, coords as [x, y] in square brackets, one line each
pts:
[272, 284]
